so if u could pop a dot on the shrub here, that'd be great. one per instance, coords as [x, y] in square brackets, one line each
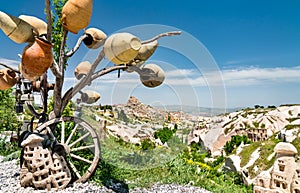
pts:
[235, 142]
[147, 144]
[164, 134]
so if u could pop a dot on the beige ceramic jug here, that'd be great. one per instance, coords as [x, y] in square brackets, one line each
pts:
[82, 69]
[17, 29]
[90, 97]
[121, 48]
[76, 14]
[152, 75]
[95, 39]
[37, 23]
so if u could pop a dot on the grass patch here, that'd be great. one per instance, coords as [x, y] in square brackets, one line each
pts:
[262, 162]
[245, 154]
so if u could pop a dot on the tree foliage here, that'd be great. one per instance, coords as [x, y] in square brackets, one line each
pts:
[8, 118]
[164, 134]
[235, 141]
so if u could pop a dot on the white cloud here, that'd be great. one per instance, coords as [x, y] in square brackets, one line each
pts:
[8, 62]
[239, 77]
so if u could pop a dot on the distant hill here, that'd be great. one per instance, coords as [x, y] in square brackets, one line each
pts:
[200, 111]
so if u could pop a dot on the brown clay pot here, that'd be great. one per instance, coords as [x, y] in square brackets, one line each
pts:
[95, 39]
[17, 29]
[8, 79]
[152, 75]
[76, 14]
[82, 69]
[90, 97]
[36, 59]
[37, 23]
[121, 48]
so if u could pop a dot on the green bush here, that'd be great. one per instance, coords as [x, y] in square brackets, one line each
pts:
[235, 141]
[164, 134]
[147, 144]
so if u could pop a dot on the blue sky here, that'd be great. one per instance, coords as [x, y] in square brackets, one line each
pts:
[253, 45]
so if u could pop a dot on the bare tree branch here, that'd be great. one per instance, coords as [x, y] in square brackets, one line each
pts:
[83, 82]
[6, 66]
[55, 69]
[106, 71]
[60, 80]
[71, 52]
[49, 19]
[162, 35]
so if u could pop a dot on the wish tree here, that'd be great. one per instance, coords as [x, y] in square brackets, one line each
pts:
[64, 149]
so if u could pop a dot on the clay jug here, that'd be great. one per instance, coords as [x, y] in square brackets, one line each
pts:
[36, 59]
[76, 15]
[146, 51]
[90, 97]
[121, 48]
[37, 23]
[17, 29]
[152, 75]
[82, 69]
[8, 79]
[95, 39]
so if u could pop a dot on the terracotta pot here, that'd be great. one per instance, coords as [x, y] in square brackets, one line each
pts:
[76, 14]
[8, 79]
[90, 97]
[152, 75]
[121, 48]
[82, 69]
[36, 59]
[17, 29]
[95, 39]
[37, 23]
[146, 51]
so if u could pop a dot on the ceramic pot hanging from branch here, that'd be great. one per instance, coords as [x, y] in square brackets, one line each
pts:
[121, 48]
[17, 29]
[37, 23]
[76, 14]
[36, 59]
[8, 79]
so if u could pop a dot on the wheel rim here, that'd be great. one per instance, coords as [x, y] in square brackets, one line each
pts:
[80, 142]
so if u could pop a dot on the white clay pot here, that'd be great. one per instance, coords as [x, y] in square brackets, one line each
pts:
[17, 29]
[95, 39]
[37, 23]
[82, 69]
[121, 48]
[152, 75]
[90, 97]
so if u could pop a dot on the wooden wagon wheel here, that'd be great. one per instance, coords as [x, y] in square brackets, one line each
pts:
[80, 142]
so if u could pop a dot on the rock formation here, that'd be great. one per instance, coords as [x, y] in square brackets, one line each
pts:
[285, 174]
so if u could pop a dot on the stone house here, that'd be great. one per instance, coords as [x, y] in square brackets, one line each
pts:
[285, 174]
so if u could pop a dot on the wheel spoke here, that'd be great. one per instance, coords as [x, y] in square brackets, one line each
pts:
[62, 132]
[74, 169]
[79, 139]
[72, 133]
[82, 148]
[80, 158]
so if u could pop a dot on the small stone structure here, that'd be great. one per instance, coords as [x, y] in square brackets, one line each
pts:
[254, 134]
[285, 174]
[41, 168]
